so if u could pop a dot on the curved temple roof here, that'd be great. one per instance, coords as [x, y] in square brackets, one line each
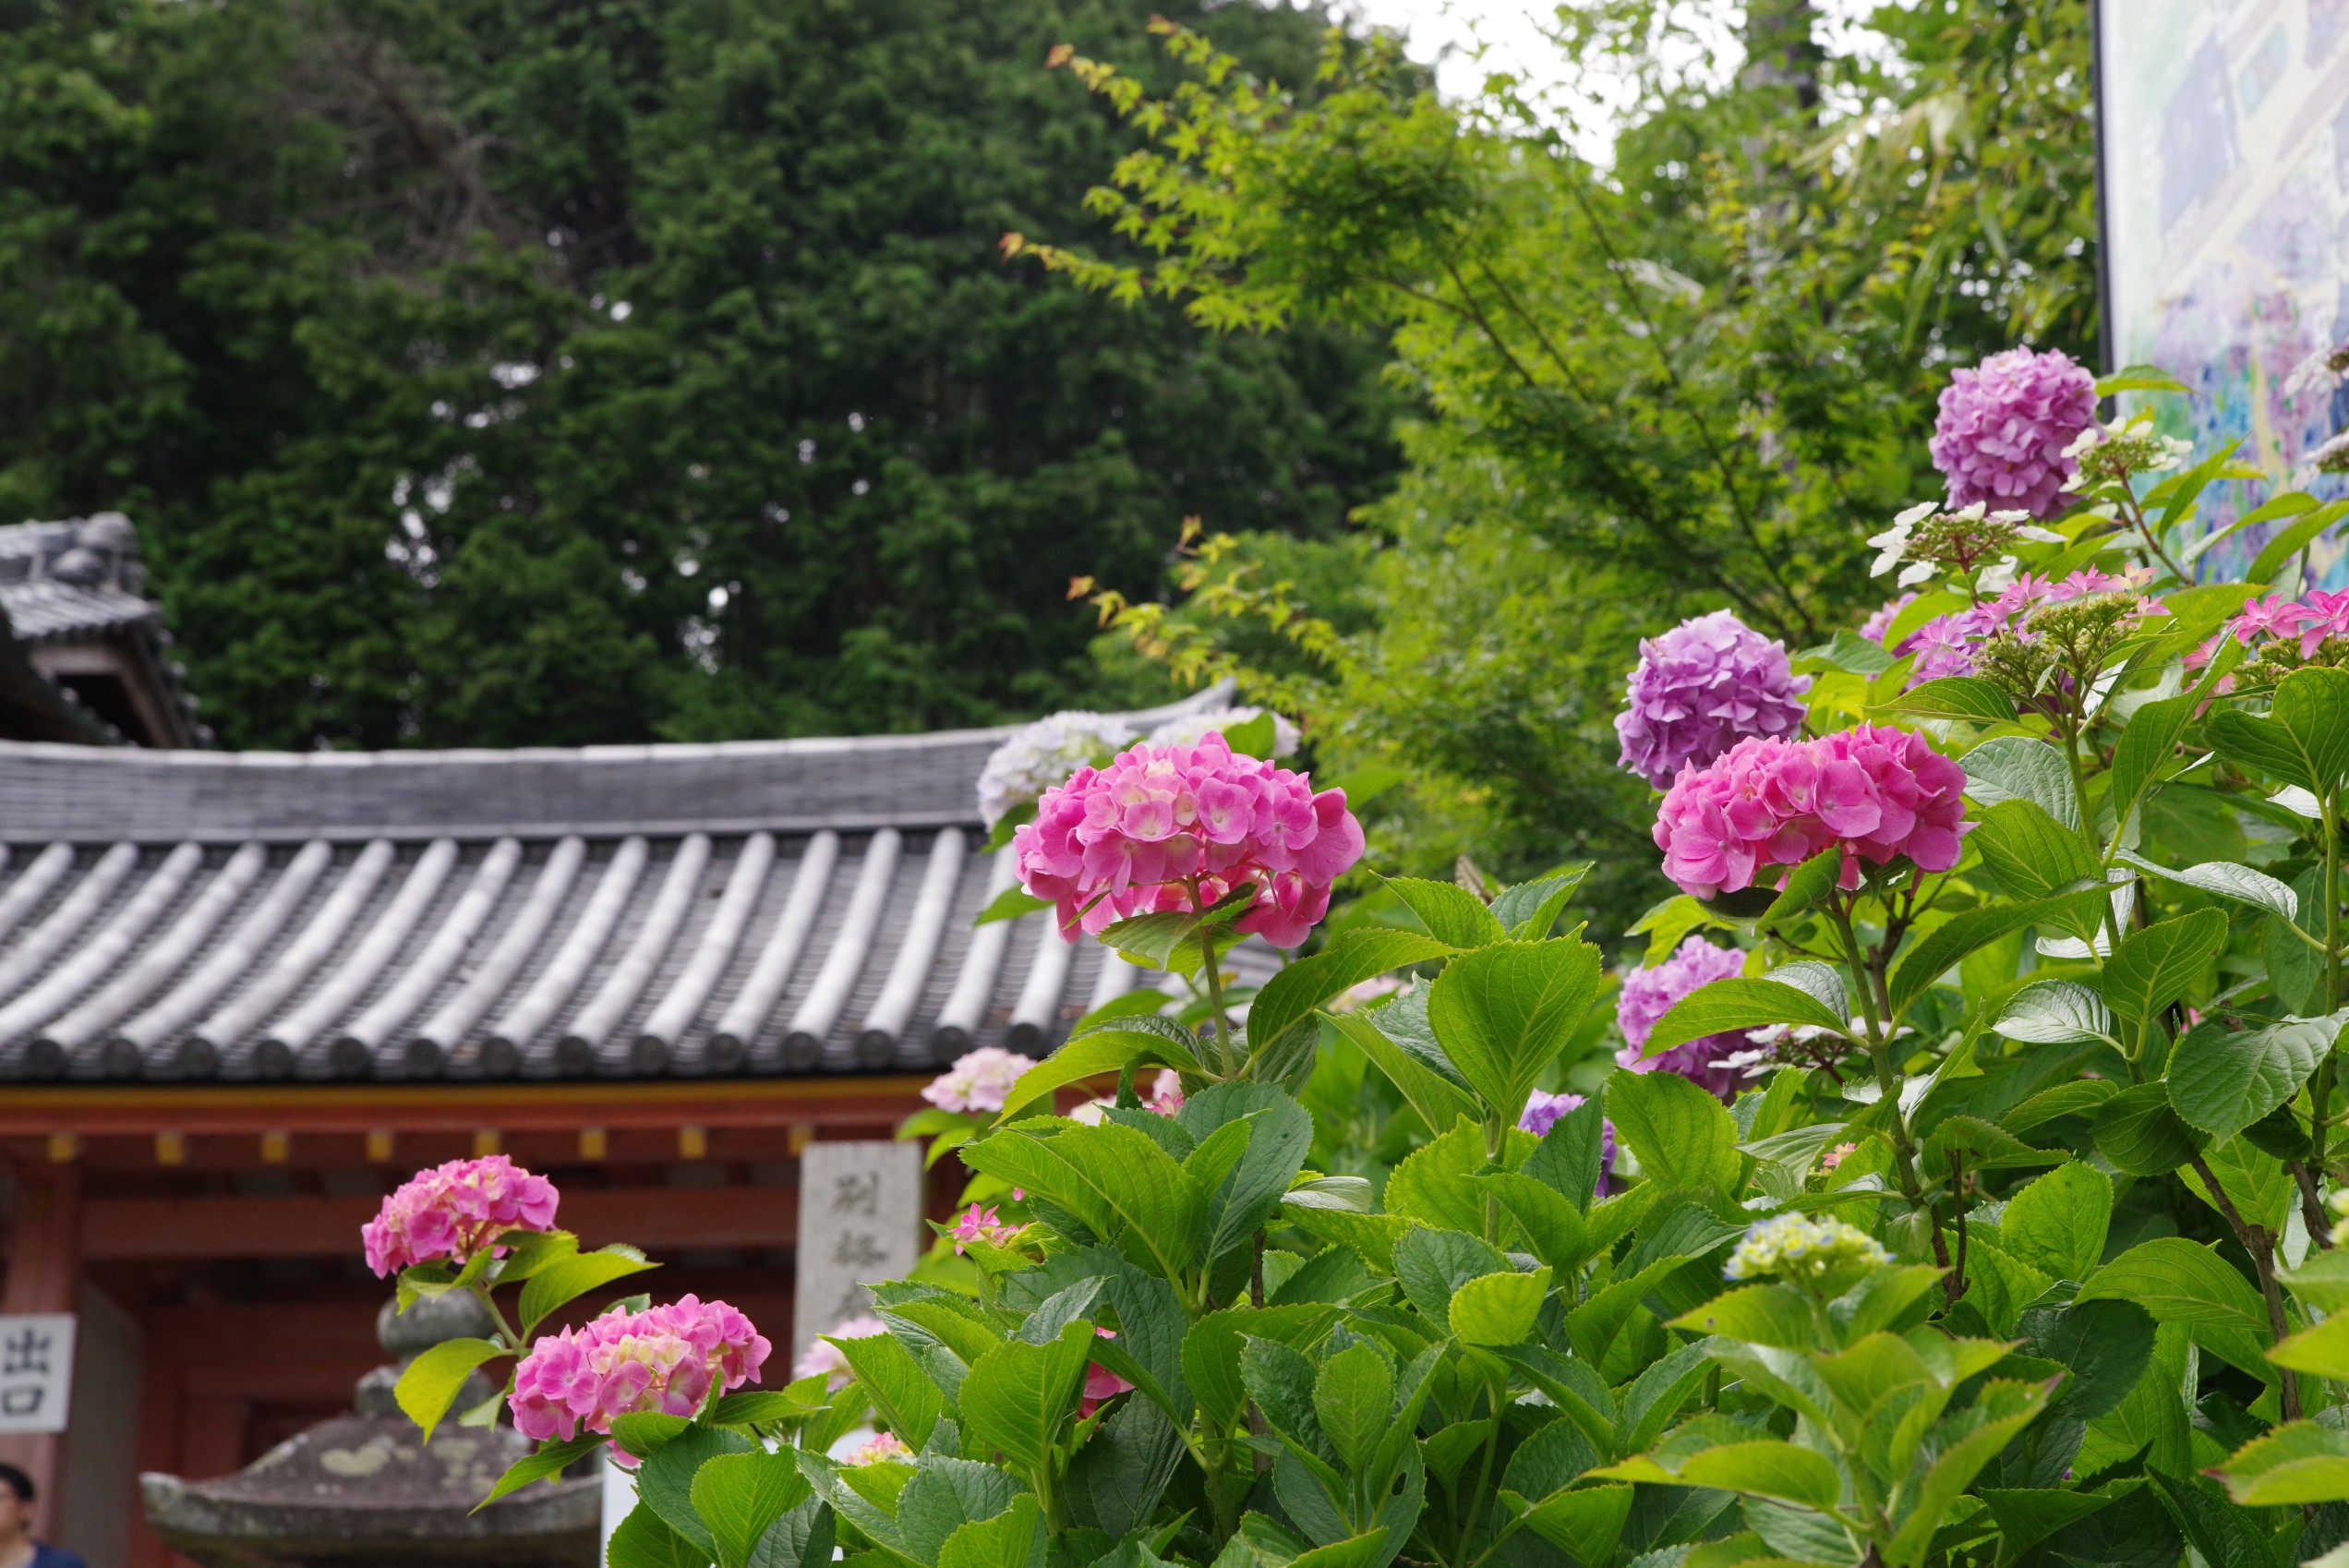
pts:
[655, 910]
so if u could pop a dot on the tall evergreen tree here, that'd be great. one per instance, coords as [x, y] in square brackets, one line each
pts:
[547, 371]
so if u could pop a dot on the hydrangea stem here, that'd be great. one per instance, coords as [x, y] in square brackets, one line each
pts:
[1904, 1152]
[1212, 970]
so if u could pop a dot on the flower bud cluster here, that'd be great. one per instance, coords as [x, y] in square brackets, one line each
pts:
[1952, 645]
[450, 1213]
[2121, 450]
[1934, 543]
[1180, 827]
[665, 1358]
[1801, 1247]
[1700, 688]
[1877, 791]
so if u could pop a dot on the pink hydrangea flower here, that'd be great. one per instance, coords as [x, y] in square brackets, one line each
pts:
[2005, 427]
[1837, 1155]
[977, 1081]
[1166, 1092]
[881, 1448]
[1542, 1113]
[977, 1224]
[1648, 994]
[1698, 688]
[664, 1359]
[1878, 792]
[821, 1358]
[450, 1213]
[1179, 827]
[1100, 1382]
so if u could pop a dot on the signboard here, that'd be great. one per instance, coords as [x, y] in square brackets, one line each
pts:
[36, 1370]
[2225, 168]
[859, 1223]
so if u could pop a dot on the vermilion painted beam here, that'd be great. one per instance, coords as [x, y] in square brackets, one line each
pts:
[94, 1112]
[118, 1229]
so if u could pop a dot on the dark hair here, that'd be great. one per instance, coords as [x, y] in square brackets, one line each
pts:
[17, 1481]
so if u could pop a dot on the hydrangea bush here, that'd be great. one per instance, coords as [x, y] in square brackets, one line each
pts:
[1953, 1176]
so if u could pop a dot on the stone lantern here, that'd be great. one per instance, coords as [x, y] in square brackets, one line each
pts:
[361, 1490]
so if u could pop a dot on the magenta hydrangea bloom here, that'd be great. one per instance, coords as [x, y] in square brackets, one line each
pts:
[663, 1360]
[450, 1213]
[1699, 689]
[1878, 792]
[2003, 428]
[1179, 827]
[1542, 1112]
[1648, 994]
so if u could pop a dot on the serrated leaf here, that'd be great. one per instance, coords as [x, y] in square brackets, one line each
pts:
[1725, 1005]
[431, 1381]
[1530, 910]
[1358, 955]
[1010, 904]
[2058, 1223]
[574, 1277]
[2018, 767]
[2053, 1012]
[2030, 854]
[2140, 1131]
[1941, 948]
[1684, 1136]
[739, 1495]
[1453, 915]
[1956, 696]
[1505, 1011]
[2227, 880]
[2222, 1081]
[1498, 1309]
[2178, 1282]
[2158, 965]
[545, 1464]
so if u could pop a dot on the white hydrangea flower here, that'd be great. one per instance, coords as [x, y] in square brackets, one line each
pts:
[1190, 729]
[1800, 1247]
[1998, 576]
[1893, 543]
[1045, 754]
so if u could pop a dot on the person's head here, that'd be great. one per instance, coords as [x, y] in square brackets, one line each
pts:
[16, 1503]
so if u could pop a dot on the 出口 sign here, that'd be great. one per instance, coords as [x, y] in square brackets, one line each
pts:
[859, 1223]
[36, 1370]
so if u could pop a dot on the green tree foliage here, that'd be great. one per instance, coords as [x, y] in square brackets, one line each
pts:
[1699, 375]
[506, 371]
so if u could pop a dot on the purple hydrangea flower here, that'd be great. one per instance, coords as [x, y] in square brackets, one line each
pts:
[1876, 625]
[1541, 1114]
[2005, 426]
[1700, 689]
[1648, 994]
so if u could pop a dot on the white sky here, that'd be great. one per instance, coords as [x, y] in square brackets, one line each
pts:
[1447, 33]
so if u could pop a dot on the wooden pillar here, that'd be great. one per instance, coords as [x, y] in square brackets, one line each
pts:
[44, 1275]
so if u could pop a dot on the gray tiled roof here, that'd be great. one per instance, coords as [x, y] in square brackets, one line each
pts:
[80, 577]
[617, 912]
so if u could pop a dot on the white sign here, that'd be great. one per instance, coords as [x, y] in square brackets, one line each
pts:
[859, 1223]
[2226, 175]
[36, 1370]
